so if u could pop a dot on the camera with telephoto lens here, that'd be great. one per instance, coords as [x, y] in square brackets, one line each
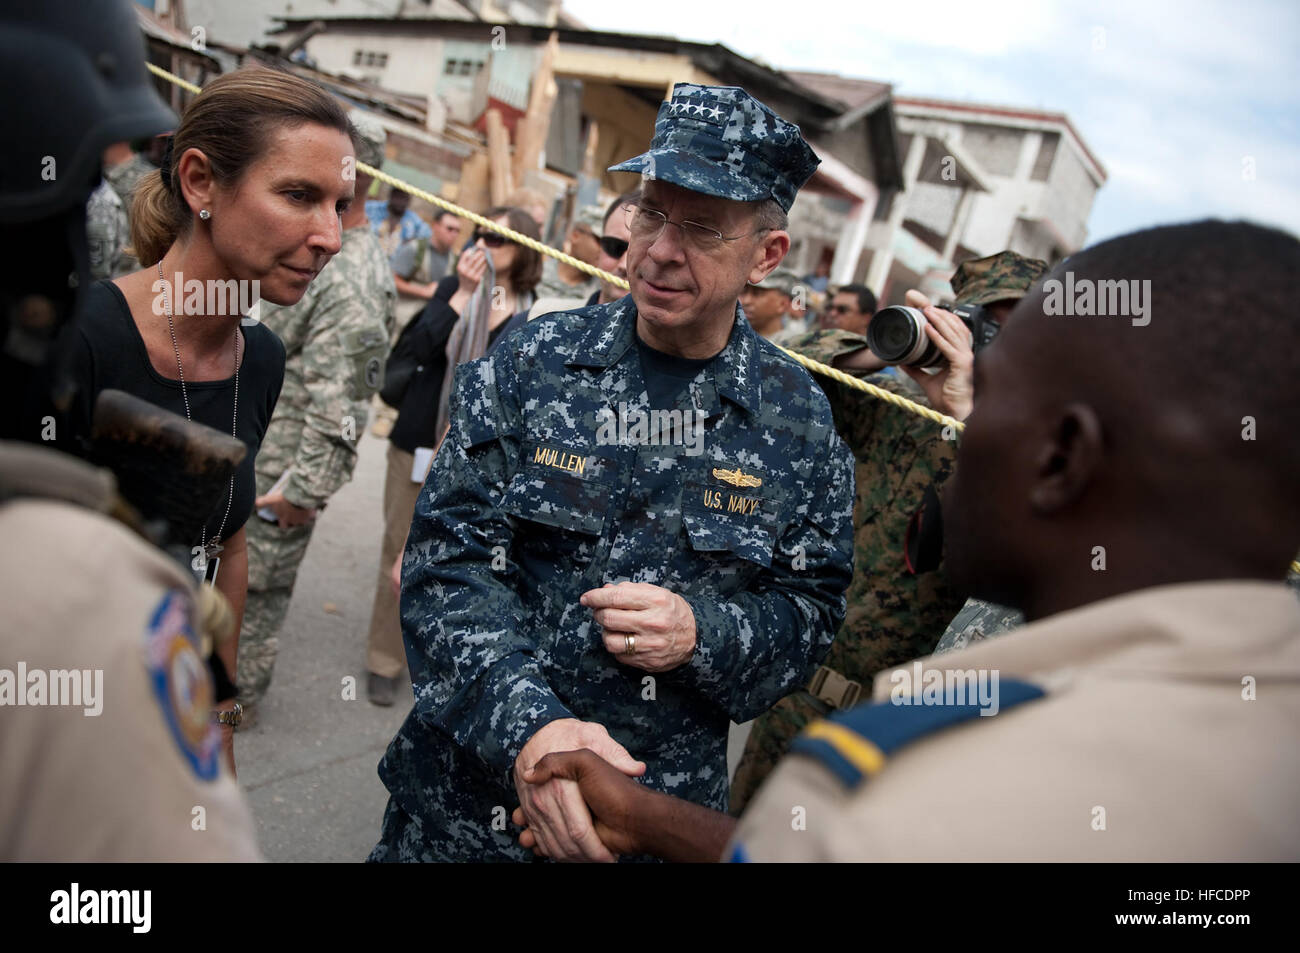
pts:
[897, 335]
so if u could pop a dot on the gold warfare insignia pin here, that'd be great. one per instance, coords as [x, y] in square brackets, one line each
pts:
[736, 477]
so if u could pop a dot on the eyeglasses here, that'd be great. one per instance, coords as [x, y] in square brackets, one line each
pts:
[840, 309]
[647, 224]
[613, 247]
[490, 239]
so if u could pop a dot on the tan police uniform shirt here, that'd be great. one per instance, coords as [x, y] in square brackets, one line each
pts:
[1169, 732]
[83, 594]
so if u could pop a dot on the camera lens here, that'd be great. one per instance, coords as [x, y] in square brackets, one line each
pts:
[897, 335]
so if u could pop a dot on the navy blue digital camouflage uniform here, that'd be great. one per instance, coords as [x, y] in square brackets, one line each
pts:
[496, 653]
[556, 478]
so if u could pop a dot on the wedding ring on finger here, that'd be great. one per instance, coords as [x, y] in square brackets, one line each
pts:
[629, 644]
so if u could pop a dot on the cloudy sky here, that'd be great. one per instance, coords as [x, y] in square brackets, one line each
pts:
[1193, 107]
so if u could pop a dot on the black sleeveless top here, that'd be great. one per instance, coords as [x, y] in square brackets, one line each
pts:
[108, 352]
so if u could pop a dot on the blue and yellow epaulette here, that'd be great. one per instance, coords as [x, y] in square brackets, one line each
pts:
[854, 744]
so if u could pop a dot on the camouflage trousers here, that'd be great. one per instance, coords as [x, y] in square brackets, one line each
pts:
[274, 555]
[769, 739]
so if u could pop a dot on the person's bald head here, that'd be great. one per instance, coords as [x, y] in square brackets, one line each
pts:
[1094, 431]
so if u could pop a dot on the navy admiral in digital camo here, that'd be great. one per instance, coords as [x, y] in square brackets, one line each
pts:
[638, 528]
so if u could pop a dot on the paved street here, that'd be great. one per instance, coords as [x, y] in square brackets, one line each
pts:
[309, 762]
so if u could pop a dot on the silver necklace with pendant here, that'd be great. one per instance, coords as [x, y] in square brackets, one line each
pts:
[210, 562]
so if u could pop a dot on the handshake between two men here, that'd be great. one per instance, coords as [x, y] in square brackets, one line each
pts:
[643, 626]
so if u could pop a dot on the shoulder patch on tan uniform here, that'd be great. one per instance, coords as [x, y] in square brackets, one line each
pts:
[181, 683]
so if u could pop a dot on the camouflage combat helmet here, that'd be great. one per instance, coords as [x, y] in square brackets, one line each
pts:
[996, 278]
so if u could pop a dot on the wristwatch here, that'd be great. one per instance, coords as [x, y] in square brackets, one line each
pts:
[232, 717]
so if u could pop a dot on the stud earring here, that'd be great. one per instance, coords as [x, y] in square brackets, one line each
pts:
[204, 214]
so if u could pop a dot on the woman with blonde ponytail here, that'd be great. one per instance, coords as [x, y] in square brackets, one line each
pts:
[246, 205]
[153, 215]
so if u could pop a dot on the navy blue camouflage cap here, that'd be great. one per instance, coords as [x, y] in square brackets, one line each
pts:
[719, 140]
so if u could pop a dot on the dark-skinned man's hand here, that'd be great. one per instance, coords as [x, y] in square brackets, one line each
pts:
[613, 798]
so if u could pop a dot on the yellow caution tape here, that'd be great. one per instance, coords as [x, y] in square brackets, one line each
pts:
[815, 366]
[439, 202]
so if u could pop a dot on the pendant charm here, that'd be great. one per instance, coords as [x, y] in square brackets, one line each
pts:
[207, 562]
[210, 574]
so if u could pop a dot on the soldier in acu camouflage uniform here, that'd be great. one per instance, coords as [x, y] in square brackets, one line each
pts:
[976, 621]
[122, 178]
[584, 244]
[576, 575]
[336, 341]
[893, 614]
[107, 234]
[125, 176]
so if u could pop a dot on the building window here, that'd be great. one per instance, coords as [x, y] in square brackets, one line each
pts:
[459, 67]
[369, 58]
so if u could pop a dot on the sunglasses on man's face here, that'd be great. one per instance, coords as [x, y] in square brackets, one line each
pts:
[490, 239]
[613, 247]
